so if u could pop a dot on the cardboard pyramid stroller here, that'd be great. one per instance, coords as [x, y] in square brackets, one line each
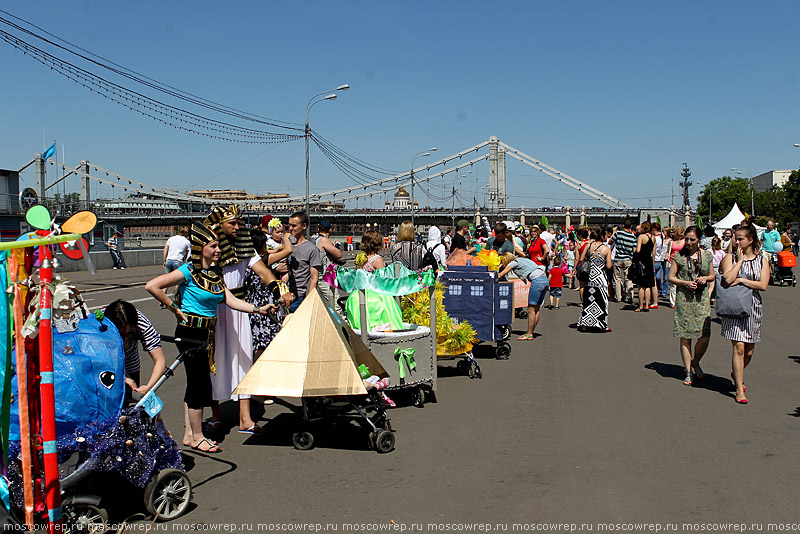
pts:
[315, 357]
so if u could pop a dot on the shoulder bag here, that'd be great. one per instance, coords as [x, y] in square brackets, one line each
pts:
[733, 301]
[585, 266]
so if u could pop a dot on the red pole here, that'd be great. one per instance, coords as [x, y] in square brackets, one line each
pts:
[47, 393]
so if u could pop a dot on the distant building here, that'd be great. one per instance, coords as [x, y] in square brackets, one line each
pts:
[402, 200]
[277, 202]
[220, 195]
[770, 179]
[138, 204]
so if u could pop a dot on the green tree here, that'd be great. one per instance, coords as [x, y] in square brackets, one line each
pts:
[771, 205]
[722, 193]
[791, 191]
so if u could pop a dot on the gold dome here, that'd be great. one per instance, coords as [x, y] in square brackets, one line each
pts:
[402, 193]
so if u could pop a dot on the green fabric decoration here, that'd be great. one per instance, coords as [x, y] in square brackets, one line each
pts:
[700, 222]
[544, 222]
[384, 281]
[405, 359]
[363, 371]
[381, 309]
[658, 220]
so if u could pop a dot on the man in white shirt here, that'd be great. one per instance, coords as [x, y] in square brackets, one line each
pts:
[547, 236]
[177, 250]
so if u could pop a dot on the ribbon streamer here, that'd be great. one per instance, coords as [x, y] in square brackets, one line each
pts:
[405, 359]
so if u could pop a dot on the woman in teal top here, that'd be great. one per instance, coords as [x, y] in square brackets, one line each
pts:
[201, 289]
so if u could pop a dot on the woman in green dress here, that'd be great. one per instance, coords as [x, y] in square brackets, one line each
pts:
[692, 273]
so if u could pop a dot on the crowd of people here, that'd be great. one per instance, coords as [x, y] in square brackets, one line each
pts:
[234, 284]
[633, 265]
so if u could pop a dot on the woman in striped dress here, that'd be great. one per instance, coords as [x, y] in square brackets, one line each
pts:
[594, 311]
[751, 269]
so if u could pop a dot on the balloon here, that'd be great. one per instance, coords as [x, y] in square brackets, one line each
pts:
[777, 246]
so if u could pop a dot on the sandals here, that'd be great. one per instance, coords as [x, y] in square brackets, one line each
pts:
[213, 426]
[213, 448]
[255, 430]
[525, 337]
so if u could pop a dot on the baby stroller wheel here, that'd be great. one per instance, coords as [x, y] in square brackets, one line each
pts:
[384, 441]
[168, 494]
[462, 366]
[419, 397]
[303, 441]
[505, 331]
[475, 370]
[84, 517]
[503, 351]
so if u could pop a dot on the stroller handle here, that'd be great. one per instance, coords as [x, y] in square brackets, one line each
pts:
[198, 343]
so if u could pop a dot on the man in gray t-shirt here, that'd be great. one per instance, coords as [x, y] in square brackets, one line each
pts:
[304, 263]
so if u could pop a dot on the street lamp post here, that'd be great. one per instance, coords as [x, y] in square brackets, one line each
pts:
[752, 189]
[311, 103]
[423, 154]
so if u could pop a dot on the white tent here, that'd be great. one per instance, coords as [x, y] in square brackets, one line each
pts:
[735, 216]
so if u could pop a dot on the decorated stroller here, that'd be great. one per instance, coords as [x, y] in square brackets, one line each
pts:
[474, 294]
[405, 348]
[317, 357]
[58, 446]
[99, 441]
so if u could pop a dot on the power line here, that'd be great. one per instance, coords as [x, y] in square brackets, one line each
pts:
[145, 80]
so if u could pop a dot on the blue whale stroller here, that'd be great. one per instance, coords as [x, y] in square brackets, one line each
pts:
[98, 436]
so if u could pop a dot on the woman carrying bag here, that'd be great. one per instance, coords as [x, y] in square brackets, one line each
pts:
[692, 274]
[744, 266]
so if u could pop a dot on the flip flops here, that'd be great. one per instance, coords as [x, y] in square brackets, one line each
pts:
[255, 429]
[525, 337]
[213, 448]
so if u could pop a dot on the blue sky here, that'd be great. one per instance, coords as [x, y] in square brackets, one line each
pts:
[617, 94]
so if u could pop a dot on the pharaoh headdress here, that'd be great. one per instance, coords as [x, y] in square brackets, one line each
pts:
[209, 279]
[232, 249]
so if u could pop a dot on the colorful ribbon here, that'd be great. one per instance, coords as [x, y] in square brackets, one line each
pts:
[405, 359]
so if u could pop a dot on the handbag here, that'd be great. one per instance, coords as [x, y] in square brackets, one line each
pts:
[585, 267]
[733, 301]
[583, 270]
[636, 271]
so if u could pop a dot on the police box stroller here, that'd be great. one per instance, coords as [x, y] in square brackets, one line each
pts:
[316, 357]
[97, 437]
[473, 293]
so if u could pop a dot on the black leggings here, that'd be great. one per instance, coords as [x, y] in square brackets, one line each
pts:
[198, 373]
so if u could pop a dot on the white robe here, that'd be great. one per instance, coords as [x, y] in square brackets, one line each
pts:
[234, 341]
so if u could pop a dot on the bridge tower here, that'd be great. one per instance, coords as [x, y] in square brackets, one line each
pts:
[85, 186]
[497, 175]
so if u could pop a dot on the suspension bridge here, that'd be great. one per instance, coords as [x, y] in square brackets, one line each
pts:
[173, 200]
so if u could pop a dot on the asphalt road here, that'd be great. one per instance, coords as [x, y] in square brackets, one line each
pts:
[573, 428]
